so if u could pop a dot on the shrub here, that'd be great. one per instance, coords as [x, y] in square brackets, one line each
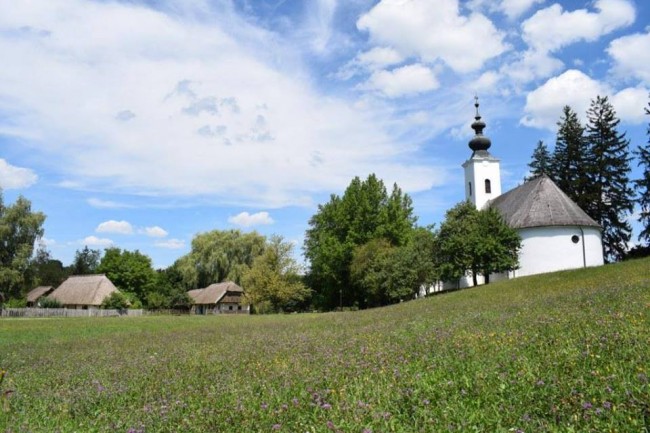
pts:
[116, 301]
[16, 303]
[48, 302]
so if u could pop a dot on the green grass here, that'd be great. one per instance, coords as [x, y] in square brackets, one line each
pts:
[562, 352]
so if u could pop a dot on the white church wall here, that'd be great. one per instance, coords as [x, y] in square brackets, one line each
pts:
[548, 249]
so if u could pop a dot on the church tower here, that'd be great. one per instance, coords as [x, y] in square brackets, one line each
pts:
[482, 172]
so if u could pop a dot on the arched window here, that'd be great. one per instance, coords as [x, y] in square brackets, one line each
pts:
[488, 186]
[470, 189]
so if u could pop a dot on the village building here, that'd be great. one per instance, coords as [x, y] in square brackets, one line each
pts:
[556, 234]
[84, 291]
[220, 298]
[36, 294]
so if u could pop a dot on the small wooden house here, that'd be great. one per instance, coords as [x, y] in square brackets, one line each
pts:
[84, 291]
[34, 295]
[221, 298]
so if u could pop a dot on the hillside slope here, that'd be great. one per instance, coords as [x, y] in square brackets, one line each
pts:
[568, 351]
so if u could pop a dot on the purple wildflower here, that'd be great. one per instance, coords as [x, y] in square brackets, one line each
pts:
[277, 426]
[586, 405]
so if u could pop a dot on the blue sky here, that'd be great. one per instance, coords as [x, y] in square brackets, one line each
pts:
[139, 124]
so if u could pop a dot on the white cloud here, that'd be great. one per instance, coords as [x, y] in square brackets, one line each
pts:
[105, 204]
[47, 242]
[573, 88]
[371, 60]
[515, 8]
[112, 226]
[245, 219]
[511, 8]
[172, 244]
[630, 103]
[434, 31]
[576, 89]
[632, 55]
[552, 28]
[69, 89]
[12, 177]
[407, 80]
[155, 232]
[94, 241]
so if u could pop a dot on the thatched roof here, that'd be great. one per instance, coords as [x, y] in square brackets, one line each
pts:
[36, 293]
[540, 203]
[84, 290]
[214, 293]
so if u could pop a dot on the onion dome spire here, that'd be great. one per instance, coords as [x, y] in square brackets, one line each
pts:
[480, 141]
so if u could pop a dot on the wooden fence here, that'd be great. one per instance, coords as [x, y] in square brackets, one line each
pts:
[65, 312]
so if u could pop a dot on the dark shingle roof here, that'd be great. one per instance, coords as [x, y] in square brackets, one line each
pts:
[539, 203]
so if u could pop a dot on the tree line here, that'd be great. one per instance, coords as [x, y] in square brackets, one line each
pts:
[364, 248]
[592, 164]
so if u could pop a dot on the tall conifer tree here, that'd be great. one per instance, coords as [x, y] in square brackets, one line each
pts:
[569, 165]
[540, 162]
[643, 186]
[610, 197]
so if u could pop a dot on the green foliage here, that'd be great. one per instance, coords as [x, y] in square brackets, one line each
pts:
[642, 186]
[16, 303]
[562, 352]
[474, 241]
[86, 261]
[386, 274]
[20, 228]
[569, 165]
[130, 271]
[116, 301]
[46, 270]
[47, 302]
[609, 197]
[218, 256]
[273, 283]
[541, 161]
[364, 212]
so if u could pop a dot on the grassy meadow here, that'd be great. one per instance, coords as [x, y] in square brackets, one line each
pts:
[566, 352]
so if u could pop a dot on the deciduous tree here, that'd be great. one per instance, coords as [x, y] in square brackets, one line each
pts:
[86, 261]
[130, 271]
[218, 256]
[364, 212]
[476, 242]
[273, 283]
[20, 228]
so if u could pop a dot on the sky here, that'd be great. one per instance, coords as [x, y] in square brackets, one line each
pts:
[141, 123]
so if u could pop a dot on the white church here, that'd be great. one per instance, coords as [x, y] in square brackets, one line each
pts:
[556, 234]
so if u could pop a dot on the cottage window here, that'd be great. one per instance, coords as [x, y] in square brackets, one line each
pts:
[230, 307]
[239, 307]
[488, 186]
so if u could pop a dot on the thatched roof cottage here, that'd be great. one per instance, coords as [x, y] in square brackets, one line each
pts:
[84, 291]
[34, 295]
[221, 298]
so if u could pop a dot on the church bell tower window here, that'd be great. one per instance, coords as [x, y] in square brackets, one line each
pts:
[488, 186]
[470, 189]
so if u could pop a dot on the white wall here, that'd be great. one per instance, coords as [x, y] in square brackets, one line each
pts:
[548, 249]
[477, 170]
